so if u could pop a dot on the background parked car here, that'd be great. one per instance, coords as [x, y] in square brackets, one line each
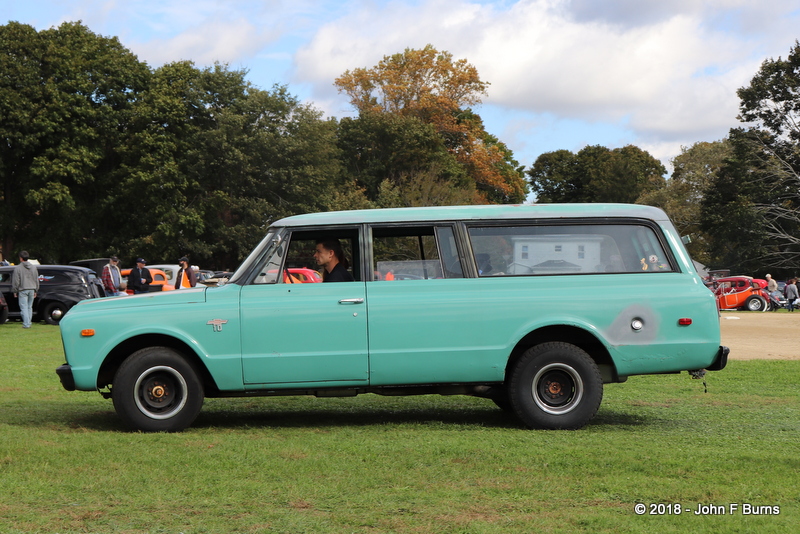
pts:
[302, 275]
[95, 264]
[215, 278]
[3, 310]
[204, 274]
[160, 281]
[741, 293]
[60, 288]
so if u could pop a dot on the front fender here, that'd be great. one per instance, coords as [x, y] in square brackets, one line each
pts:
[93, 334]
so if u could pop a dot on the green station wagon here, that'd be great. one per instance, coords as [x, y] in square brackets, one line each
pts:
[535, 307]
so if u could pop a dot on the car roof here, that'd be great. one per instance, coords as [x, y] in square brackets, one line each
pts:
[148, 267]
[485, 212]
[47, 267]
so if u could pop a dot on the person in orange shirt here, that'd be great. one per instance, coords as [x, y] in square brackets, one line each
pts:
[186, 277]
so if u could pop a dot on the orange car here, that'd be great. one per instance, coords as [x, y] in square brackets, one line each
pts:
[301, 275]
[159, 283]
[740, 292]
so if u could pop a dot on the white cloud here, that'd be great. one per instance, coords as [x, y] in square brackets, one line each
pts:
[225, 41]
[668, 70]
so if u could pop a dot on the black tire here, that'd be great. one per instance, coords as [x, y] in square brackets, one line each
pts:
[755, 303]
[500, 398]
[53, 312]
[3, 316]
[555, 386]
[157, 390]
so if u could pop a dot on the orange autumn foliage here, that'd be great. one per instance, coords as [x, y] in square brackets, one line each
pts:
[433, 87]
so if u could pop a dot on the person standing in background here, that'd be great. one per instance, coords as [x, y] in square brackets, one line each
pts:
[24, 285]
[111, 278]
[186, 276]
[772, 287]
[140, 278]
[791, 294]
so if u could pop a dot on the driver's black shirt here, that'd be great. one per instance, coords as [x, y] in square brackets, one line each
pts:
[338, 274]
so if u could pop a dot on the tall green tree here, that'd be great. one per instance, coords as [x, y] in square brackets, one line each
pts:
[65, 101]
[217, 161]
[695, 171]
[596, 174]
[379, 147]
[771, 104]
[729, 214]
[102, 155]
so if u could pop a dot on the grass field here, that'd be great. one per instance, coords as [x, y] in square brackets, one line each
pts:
[408, 465]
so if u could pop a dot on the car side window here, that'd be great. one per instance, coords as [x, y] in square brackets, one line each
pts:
[414, 253]
[567, 249]
[293, 262]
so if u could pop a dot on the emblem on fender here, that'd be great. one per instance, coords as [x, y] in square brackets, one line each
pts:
[217, 324]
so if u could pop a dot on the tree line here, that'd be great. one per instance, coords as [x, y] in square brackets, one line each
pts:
[102, 154]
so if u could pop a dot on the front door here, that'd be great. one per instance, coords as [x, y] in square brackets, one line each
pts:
[296, 334]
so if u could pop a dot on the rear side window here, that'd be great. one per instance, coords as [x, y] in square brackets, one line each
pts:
[54, 277]
[567, 249]
[414, 253]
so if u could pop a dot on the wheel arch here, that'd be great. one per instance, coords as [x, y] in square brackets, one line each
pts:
[573, 335]
[121, 352]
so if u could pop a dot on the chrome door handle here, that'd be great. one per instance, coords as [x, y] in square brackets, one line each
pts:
[351, 301]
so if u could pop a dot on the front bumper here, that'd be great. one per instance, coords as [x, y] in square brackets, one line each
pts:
[64, 372]
[721, 360]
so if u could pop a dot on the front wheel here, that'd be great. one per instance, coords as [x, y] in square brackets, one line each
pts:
[53, 312]
[157, 390]
[555, 386]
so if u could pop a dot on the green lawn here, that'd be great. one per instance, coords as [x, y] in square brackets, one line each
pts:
[409, 465]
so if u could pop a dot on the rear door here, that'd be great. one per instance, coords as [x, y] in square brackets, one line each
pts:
[425, 322]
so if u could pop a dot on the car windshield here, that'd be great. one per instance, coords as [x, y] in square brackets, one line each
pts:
[271, 240]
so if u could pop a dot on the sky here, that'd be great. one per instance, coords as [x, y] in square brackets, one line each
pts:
[564, 74]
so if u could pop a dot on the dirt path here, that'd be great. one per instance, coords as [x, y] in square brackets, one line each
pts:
[761, 336]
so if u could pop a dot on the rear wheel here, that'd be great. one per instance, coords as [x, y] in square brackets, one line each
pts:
[53, 312]
[755, 303]
[157, 390]
[555, 386]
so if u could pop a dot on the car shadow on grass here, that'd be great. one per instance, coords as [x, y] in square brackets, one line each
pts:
[341, 417]
[224, 414]
[476, 415]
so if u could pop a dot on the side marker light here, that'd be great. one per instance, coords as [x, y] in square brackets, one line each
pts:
[684, 321]
[89, 332]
